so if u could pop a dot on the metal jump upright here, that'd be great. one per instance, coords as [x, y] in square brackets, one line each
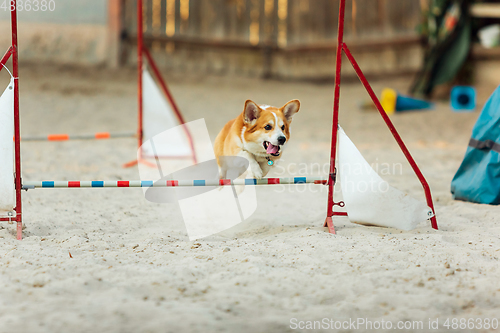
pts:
[142, 51]
[13, 52]
[342, 47]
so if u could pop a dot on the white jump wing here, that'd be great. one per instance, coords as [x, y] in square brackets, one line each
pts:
[7, 192]
[371, 200]
[159, 116]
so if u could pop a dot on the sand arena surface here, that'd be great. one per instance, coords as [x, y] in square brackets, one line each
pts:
[133, 269]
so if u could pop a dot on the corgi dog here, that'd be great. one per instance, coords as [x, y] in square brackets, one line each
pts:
[258, 134]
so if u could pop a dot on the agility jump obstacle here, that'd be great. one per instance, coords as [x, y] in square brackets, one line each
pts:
[142, 126]
[330, 181]
[142, 51]
[342, 47]
[16, 214]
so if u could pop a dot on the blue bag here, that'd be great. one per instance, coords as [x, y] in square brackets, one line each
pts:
[478, 178]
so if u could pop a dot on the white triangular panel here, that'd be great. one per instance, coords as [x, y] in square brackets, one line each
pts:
[7, 191]
[159, 116]
[371, 200]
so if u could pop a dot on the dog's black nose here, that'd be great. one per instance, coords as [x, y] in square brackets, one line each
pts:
[281, 140]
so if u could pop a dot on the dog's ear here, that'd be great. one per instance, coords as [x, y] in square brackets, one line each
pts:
[291, 108]
[251, 113]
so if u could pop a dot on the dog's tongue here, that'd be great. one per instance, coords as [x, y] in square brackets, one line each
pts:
[272, 149]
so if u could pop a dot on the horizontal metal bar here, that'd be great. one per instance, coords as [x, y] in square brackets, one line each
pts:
[217, 43]
[368, 44]
[358, 45]
[339, 214]
[67, 137]
[172, 183]
[491, 10]
[13, 218]
[5, 58]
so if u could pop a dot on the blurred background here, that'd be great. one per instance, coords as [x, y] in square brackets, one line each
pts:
[256, 38]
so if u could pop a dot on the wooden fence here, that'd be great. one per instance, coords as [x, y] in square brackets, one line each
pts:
[273, 27]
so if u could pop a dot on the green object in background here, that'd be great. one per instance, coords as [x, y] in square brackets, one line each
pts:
[454, 57]
[448, 32]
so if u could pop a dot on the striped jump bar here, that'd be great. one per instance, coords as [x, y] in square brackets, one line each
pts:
[171, 183]
[67, 137]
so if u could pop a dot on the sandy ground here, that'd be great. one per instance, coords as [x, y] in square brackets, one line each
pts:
[133, 269]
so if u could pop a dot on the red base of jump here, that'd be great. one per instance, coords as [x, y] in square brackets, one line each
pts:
[139, 161]
[19, 230]
[329, 224]
[19, 227]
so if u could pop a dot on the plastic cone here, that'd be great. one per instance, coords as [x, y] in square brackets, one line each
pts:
[463, 98]
[393, 102]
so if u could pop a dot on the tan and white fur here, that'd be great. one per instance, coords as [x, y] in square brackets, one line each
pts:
[258, 134]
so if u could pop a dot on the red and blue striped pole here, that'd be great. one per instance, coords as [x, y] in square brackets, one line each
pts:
[172, 183]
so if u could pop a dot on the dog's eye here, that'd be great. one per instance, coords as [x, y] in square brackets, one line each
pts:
[268, 127]
[283, 127]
